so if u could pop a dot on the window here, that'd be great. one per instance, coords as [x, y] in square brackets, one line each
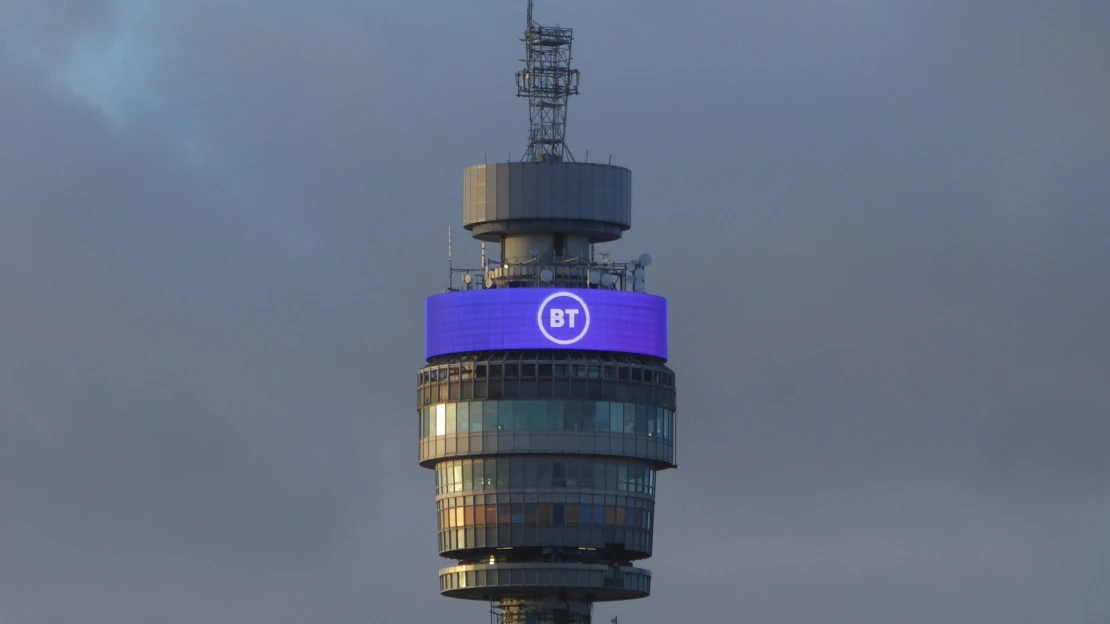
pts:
[489, 416]
[475, 411]
[465, 417]
[601, 415]
[451, 418]
[462, 414]
[559, 475]
[554, 416]
[517, 473]
[544, 473]
[584, 410]
[491, 474]
[586, 476]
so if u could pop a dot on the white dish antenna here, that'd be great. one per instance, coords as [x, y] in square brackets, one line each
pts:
[546, 276]
[606, 280]
[638, 286]
[595, 277]
[645, 259]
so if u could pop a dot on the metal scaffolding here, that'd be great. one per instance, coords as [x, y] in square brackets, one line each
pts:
[548, 81]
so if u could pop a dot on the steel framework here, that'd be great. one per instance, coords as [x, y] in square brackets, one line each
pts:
[521, 612]
[548, 81]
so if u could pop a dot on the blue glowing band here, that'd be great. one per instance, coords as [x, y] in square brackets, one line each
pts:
[546, 318]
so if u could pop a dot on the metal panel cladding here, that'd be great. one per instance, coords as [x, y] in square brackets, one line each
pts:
[545, 318]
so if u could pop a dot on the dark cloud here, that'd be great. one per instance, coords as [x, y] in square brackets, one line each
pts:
[881, 226]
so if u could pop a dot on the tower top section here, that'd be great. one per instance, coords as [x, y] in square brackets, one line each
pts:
[548, 81]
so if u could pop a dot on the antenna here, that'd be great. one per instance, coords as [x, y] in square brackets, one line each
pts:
[548, 82]
[450, 273]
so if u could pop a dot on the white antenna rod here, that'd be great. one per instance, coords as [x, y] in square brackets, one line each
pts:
[483, 264]
[449, 271]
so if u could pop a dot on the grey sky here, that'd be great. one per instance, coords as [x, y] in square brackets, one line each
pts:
[883, 228]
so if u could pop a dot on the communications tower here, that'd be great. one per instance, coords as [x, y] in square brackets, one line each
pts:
[546, 408]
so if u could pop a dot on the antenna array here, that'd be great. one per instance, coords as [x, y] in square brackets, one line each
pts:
[548, 82]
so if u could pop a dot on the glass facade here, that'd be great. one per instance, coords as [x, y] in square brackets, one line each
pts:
[546, 415]
[478, 580]
[583, 473]
[594, 376]
[635, 514]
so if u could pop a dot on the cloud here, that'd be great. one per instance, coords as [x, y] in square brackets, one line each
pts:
[881, 228]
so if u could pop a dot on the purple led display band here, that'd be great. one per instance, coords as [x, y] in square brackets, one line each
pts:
[545, 318]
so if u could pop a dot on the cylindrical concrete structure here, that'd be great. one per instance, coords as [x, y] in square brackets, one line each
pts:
[546, 408]
[585, 199]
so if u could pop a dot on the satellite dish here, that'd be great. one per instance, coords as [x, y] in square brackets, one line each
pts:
[546, 276]
[645, 259]
[638, 286]
[630, 267]
[606, 280]
[639, 274]
[535, 252]
[489, 283]
[595, 277]
[467, 278]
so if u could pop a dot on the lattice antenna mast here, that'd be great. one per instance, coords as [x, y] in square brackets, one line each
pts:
[548, 82]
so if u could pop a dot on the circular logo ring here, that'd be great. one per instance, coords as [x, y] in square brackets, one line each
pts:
[585, 310]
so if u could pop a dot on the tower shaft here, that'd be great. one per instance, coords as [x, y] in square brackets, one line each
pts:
[546, 408]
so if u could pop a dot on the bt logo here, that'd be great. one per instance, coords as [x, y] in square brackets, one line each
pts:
[563, 318]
